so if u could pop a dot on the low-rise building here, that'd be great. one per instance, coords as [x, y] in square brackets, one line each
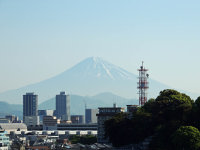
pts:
[31, 120]
[104, 114]
[12, 118]
[8, 127]
[35, 128]
[50, 122]
[42, 113]
[78, 127]
[77, 119]
[132, 108]
[4, 140]
[4, 120]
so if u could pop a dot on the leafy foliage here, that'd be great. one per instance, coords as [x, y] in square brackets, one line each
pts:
[194, 118]
[187, 138]
[160, 118]
[84, 139]
[115, 132]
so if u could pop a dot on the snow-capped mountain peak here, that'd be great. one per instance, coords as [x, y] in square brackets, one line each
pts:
[89, 77]
[99, 68]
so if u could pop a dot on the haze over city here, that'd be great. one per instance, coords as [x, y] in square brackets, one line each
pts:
[40, 39]
[99, 75]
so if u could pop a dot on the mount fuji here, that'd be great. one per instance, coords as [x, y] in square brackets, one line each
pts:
[89, 77]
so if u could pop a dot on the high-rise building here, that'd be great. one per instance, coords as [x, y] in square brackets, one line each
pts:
[90, 115]
[104, 114]
[63, 106]
[30, 105]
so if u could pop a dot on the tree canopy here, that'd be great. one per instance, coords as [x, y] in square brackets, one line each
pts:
[159, 118]
[187, 138]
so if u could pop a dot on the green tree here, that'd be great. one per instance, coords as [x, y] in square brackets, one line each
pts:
[186, 138]
[122, 131]
[88, 139]
[194, 118]
[74, 139]
[83, 139]
[159, 118]
[172, 105]
[119, 129]
[170, 110]
[142, 125]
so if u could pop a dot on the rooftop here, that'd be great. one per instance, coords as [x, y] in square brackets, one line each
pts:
[8, 126]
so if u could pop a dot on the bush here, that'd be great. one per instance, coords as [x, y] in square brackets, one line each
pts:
[84, 139]
[187, 138]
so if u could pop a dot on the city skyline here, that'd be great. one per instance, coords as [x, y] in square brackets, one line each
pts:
[40, 40]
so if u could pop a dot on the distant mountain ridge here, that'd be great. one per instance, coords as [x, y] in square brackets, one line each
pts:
[10, 109]
[89, 77]
[77, 104]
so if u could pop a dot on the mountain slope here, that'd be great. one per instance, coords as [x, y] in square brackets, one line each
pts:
[89, 77]
[7, 109]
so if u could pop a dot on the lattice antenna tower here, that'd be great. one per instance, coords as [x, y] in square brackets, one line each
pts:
[143, 84]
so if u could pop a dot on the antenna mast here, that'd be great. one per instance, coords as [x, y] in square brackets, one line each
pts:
[143, 84]
[85, 104]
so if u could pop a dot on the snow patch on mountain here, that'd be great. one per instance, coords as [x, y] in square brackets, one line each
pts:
[107, 71]
[97, 67]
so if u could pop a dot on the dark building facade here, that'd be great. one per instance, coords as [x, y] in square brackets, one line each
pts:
[30, 105]
[78, 119]
[90, 115]
[63, 106]
[89, 127]
[104, 114]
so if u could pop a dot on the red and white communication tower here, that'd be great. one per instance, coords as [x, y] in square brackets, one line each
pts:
[143, 85]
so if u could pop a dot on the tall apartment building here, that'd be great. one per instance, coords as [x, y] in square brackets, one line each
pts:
[91, 115]
[63, 106]
[30, 106]
[104, 114]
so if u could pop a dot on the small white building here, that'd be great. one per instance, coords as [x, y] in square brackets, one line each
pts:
[4, 140]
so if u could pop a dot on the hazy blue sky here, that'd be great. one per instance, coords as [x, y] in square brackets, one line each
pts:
[39, 39]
